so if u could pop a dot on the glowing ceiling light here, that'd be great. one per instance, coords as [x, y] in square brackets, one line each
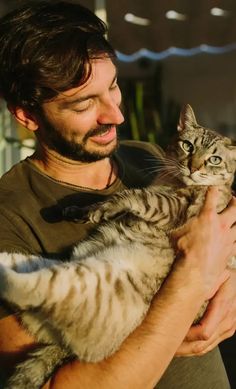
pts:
[171, 14]
[131, 18]
[218, 12]
[171, 51]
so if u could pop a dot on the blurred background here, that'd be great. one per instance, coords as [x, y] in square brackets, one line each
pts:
[169, 53]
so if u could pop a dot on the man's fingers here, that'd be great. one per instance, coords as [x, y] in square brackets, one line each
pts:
[179, 232]
[201, 347]
[211, 200]
[206, 328]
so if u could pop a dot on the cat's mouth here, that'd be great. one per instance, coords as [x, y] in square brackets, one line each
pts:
[200, 179]
[188, 180]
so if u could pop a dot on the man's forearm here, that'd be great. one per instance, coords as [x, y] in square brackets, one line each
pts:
[146, 353]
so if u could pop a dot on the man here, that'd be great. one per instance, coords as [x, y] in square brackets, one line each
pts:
[58, 78]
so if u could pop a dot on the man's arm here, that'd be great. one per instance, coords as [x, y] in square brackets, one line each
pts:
[219, 321]
[14, 344]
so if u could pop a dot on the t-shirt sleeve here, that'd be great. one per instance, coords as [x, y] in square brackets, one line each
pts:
[11, 240]
[13, 235]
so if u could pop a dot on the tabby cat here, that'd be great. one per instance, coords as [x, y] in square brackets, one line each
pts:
[87, 306]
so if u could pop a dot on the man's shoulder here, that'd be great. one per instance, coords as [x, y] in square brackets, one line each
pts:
[14, 177]
[140, 147]
[139, 162]
[13, 185]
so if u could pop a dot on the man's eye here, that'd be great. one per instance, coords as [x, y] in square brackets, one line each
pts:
[82, 106]
[113, 86]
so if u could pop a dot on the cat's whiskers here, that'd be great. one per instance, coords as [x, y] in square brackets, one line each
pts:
[167, 174]
[166, 163]
[162, 171]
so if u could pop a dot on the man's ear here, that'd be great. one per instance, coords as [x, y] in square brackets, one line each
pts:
[26, 119]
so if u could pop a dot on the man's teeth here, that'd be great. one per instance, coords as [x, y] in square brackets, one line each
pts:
[104, 133]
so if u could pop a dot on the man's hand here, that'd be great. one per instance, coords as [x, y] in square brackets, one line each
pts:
[208, 240]
[218, 323]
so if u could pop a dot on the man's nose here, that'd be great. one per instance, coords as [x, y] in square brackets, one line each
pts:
[110, 113]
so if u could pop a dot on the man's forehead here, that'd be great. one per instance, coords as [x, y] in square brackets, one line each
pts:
[109, 71]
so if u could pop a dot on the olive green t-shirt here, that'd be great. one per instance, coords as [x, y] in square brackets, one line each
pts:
[32, 217]
[33, 220]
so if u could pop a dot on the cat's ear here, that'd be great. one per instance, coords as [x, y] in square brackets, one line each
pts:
[187, 118]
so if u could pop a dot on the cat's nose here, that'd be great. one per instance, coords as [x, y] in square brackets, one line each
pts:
[193, 169]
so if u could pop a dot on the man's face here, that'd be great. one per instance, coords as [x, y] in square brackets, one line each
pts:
[80, 124]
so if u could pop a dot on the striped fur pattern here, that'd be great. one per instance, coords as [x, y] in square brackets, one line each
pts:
[87, 306]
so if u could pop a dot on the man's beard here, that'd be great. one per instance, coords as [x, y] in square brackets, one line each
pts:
[74, 150]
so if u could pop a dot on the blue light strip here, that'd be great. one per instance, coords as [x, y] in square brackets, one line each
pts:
[144, 53]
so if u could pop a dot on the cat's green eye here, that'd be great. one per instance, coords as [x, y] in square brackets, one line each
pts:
[186, 146]
[215, 160]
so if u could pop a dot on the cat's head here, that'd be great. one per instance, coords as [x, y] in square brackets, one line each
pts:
[204, 157]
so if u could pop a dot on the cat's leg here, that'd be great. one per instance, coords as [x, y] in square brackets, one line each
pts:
[161, 207]
[12, 260]
[149, 204]
[103, 236]
[135, 201]
[49, 287]
[38, 367]
[23, 263]
[24, 289]
[117, 205]
[112, 233]
[143, 203]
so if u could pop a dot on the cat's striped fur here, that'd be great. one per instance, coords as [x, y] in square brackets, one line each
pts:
[87, 306]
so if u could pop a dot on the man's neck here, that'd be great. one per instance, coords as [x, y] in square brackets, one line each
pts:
[94, 175]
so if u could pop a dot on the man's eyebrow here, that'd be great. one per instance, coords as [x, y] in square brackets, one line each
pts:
[77, 100]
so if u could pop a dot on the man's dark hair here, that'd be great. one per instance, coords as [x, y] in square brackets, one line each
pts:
[46, 48]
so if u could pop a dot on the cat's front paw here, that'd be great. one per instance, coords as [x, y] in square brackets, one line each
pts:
[95, 213]
[99, 214]
[75, 213]
[105, 212]
[95, 216]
